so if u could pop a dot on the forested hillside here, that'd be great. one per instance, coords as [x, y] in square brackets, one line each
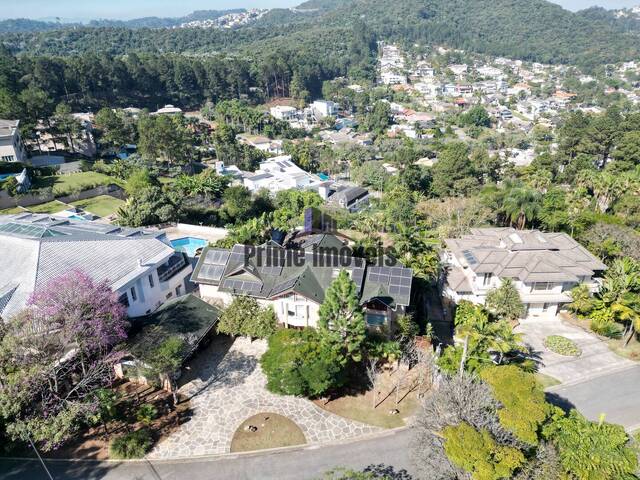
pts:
[528, 29]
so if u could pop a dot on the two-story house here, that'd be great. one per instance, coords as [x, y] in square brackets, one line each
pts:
[293, 280]
[11, 147]
[140, 265]
[544, 267]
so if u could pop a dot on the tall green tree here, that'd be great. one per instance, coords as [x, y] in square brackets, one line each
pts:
[341, 321]
[505, 301]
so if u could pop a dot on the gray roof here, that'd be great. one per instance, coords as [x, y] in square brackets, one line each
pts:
[39, 248]
[525, 255]
[348, 195]
[269, 271]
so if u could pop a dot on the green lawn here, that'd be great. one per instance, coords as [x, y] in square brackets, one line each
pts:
[102, 205]
[50, 207]
[9, 211]
[67, 184]
[271, 431]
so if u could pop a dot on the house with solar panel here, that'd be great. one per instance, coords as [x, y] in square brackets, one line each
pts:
[140, 265]
[293, 280]
[544, 267]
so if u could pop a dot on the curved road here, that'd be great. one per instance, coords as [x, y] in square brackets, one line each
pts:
[615, 394]
[390, 448]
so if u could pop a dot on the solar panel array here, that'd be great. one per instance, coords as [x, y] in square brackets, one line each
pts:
[271, 261]
[398, 279]
[470, 257]
[242, 286]
[215, 262]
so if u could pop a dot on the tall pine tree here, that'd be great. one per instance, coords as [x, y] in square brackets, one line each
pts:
[341, 324]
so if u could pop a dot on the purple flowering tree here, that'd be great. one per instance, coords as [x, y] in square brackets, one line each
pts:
[56, 355]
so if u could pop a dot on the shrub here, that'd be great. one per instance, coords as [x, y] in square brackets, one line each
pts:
[603, 323]
[146, 413]
[296, 363]
[131, 445]
[562, 346]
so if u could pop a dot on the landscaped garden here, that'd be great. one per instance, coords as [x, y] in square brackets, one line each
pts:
[562, 346]
[102, 205]
[52, 207]
[62, 185]
[266, 430]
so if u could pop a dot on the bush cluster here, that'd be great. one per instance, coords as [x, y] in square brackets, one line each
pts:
[562, 346]
[131, 445]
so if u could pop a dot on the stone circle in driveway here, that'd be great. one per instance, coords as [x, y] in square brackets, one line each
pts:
[225, 387]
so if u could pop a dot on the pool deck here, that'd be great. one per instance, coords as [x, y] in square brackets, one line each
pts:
[182, 230]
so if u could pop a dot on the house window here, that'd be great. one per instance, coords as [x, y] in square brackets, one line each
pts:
[542, 286]
[486, 280]
[134, 295]
[151, 284]
[124, 299]
[178, 290]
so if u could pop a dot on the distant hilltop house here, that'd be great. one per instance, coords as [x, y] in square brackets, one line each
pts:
[284, 113]
[168, 110]
[140, 265]
[11, 146]
[544, 267]
[293, 280]
[264, 144]
[324, 108]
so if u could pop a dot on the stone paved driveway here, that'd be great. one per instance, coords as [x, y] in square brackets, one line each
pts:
[226, 386]
[596, 359]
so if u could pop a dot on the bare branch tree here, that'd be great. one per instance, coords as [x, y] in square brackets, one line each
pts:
[373, 374]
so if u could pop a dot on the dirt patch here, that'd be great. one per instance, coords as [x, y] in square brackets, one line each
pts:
[387, 407]
[93, 443]
[266, 430]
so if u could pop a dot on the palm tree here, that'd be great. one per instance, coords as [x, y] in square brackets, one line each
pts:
[521, 204]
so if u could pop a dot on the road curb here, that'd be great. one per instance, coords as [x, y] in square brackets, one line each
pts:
[571, 383]
[222, 456]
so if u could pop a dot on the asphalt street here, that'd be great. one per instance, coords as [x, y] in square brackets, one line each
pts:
[615, 394]
[390, 449]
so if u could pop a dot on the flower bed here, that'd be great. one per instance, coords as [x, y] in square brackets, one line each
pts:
[562, 346]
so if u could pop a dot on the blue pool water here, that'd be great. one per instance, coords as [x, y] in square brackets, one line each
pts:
[4, 176]
[189, 245]
[323, 176]
[76, 217]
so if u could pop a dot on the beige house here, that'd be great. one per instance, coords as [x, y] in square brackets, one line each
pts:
[544, 267]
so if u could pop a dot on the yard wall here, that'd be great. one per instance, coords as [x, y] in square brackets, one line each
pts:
[27, 200]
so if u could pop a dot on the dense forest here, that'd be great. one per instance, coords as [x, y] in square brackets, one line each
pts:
[31, 86]
[534, 30]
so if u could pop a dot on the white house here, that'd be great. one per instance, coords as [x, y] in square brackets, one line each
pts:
[283, 112]
[293, 280]
[324, 108]
[141, 266]
[280, 173]
[11, 146]
[544, 267]
[168, 110]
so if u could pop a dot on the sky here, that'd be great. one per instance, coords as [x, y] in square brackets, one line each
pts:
[125, 9]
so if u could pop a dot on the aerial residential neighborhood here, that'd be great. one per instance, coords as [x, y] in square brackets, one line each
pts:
[359, 240]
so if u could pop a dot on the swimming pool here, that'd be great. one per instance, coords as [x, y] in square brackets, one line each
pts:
[4, 176]
[189, 245]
